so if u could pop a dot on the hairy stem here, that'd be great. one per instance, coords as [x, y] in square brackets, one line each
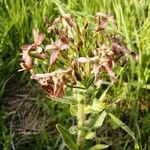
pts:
[81, 119]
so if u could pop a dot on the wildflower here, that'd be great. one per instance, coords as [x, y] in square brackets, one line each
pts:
[27, 63]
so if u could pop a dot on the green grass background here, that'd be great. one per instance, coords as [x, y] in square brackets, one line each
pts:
[19, 17]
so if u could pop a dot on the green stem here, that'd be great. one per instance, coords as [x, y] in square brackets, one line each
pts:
[81, 119]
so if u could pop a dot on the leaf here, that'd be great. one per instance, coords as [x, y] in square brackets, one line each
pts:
[99, 146]
[68, 138]
[73, 110]
[97, 107]
[102, 97]
[66, 100]
[100, 120]
[122, 125]
[62, 146]
[136, 146]
[90, 135]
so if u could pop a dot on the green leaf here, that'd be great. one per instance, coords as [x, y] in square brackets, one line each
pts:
[62, 146]
[68, 138]
[73, 110]
[102, 97]
[95, 121]
[96, 107]
[99, 146]
[90, 135]
[136, 146]
[66, 100]
[122, 125]
[100, 120]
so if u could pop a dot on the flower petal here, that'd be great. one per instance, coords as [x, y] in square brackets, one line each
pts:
[38, 38]
[96, 70]
[54, 56]
[109, 71]
[83, 59]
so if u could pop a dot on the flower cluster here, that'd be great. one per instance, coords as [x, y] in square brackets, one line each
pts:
[77, 52]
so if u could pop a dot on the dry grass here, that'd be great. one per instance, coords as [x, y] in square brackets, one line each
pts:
[26, 117]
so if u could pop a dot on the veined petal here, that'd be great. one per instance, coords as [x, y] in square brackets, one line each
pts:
[83, 59]
[38, 38]
[54, 56]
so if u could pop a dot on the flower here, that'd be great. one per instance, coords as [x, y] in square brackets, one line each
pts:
[27, 63]
[54, 83]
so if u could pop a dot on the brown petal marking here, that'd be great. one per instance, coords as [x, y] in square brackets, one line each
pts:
[74, 64]
[43, 80]
[110, 63]
[27, 63]
[64, 39]
[63, 42]
[102, 25]
[59, 92]
[28, 47]
[38, 38]
[96, 69]
[58, 87]
[49, 90]
[116, 42]
[108, 17]
[114, 39]
[24, 67]
[47, 21]
[103, 22]
[54, 56]
[109, 71]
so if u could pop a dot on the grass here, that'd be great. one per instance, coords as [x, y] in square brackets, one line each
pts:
[20, 17]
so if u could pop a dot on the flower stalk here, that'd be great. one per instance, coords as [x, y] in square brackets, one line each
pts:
[76, 58]
[81, 118]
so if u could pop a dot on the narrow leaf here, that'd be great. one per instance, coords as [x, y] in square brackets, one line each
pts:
[68, 138]
[66, 100]
[100, 120]
[122, 125]
[99, 146]
[90, 135]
